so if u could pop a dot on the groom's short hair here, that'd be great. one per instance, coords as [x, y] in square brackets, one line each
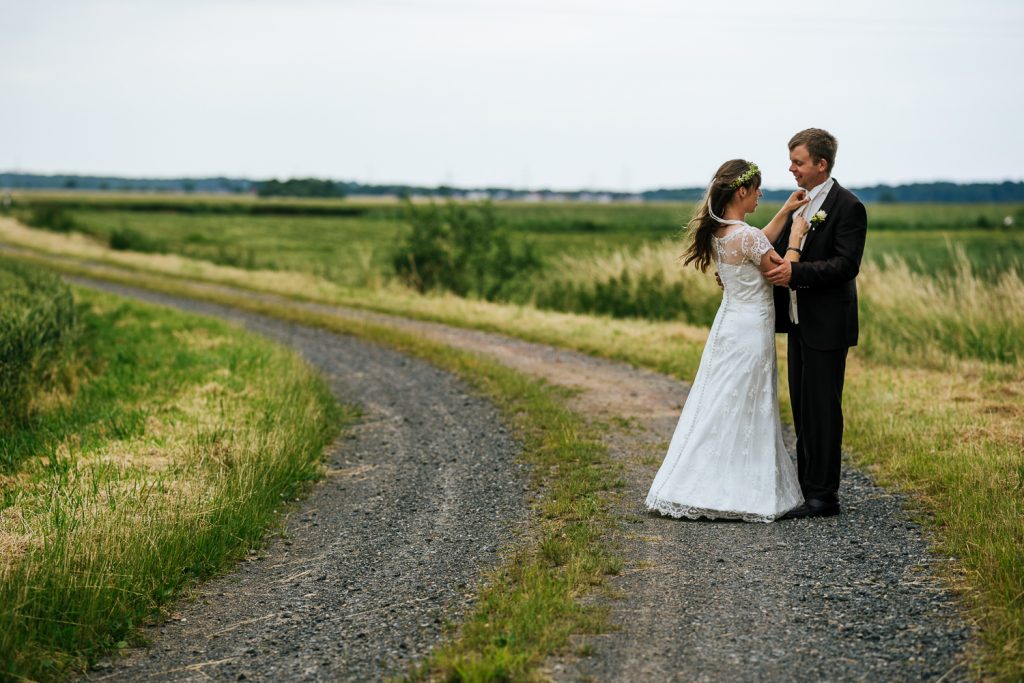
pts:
[820, 145]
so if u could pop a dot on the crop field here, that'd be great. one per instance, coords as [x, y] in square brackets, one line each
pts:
[353, 241]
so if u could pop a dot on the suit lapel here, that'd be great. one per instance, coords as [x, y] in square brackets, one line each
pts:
[826, 206]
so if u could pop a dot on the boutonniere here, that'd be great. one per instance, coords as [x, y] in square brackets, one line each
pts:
[817, 219]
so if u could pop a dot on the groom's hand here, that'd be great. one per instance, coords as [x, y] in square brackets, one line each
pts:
[780, 274]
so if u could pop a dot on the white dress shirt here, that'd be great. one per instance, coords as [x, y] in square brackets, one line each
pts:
[817, 195]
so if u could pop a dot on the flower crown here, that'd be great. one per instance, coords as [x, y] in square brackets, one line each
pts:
[752, 170]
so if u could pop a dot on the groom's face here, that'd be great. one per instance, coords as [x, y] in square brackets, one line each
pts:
[807, 173]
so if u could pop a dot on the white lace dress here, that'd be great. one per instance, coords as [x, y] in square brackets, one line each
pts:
[727, 458]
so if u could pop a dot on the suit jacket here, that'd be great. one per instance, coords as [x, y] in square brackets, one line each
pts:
[825, 276]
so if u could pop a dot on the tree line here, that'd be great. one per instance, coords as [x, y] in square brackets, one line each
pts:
[1007, 191]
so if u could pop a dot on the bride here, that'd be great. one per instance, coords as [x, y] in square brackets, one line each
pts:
[727, 458]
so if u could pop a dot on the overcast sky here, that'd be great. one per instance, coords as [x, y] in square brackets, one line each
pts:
[631, 95]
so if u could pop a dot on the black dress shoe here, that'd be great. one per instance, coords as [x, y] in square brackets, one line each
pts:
[813, 507]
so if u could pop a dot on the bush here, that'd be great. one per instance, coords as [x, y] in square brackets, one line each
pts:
[126, 239]
[461, 248]
[239, 257]
[644, 295]
[37, 316]
[51, 217]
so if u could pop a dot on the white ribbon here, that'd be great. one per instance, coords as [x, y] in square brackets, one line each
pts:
[724, 221]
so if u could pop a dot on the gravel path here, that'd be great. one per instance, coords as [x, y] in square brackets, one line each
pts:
[849, 598]
[418, 498]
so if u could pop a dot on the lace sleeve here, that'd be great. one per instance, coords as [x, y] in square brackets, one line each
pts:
[754, 245]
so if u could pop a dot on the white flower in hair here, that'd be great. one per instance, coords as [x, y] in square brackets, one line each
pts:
[746, 176]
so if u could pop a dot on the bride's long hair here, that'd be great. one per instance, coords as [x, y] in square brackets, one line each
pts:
[702, 226]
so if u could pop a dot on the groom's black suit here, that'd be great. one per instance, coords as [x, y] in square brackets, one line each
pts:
[824, 280]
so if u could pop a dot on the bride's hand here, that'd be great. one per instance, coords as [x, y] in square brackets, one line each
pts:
[799, 229]
[796, 200]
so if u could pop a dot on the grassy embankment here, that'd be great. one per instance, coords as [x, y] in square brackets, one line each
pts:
[934, 395]
[157, 449]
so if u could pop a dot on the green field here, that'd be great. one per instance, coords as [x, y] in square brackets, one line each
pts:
[352, 242]
[340, 249]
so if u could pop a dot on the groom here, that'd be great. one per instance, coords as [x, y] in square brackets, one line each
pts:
[816, 303]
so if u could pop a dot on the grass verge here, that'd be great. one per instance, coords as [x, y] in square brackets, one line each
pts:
[37, 321]
[168, 456]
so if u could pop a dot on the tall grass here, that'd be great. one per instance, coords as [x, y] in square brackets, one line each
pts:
[915, 319]
[37, 318]
[907, 316]
[183, 441]
[646, 282]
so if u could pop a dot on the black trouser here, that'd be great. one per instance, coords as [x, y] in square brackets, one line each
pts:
[816, 394]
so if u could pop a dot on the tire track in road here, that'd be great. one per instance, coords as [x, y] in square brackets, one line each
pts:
[418, 497]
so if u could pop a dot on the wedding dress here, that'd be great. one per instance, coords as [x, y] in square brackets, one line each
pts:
[727, 458]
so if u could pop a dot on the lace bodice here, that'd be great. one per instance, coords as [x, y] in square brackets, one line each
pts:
[737, 255]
